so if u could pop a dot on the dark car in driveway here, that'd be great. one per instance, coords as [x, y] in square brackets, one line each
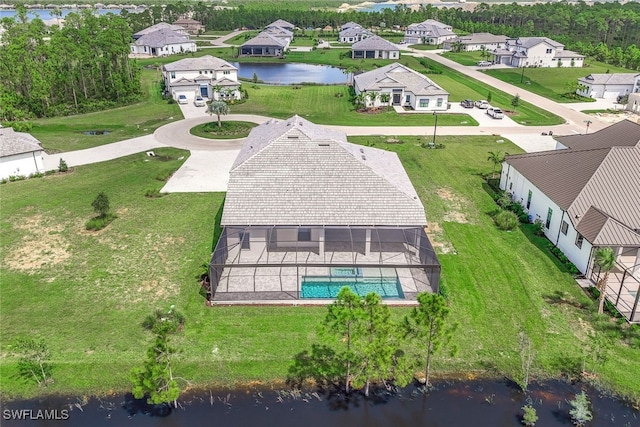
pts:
[466, 103]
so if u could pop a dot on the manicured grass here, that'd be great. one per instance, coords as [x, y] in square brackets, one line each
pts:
[241, 38]
[59, 134]
[423, 47]
[86, 293]
[227, 130]
[320, 105]
[464, 58]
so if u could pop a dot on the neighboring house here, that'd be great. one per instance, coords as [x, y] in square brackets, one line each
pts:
[20, 154]
[190, 25]
[587, 195]
[633, 103]
[536, 52]
[279, 33]
[475, 42]
[608, 86]
[375, 47]
[307, 212]
[163, 42]
[282, 24]
[403, 86]
[349, 25]
[160, 26]
[428, 32]
[207, 76]
[264, 44]
[353, 33]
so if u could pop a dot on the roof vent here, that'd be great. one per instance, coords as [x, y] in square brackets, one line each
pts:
[324, 144]
[364, 157]
[362, 150]
[292, 136]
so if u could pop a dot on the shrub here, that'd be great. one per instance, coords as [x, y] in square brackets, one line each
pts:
[580, 412]
[62, 166]
[101, 205]
[153, 194]
[506, 220]
[100, 222]
[530, 416]
[504, 200]
[22, 126]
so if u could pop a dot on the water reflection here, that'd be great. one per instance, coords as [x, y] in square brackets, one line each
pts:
[291, 73]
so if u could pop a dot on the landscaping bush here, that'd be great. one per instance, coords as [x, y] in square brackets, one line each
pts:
[62, 166]
[100, 222]
[506, 220]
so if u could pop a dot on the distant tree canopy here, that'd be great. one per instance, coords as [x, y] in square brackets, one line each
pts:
[607, 31]
[81, 67]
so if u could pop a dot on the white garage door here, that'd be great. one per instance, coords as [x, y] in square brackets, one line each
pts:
[190, 94]
[610, 95]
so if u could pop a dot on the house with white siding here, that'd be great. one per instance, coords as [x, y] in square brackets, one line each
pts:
[608, 86]
[536, 52]
[20, 154]
[352, 33]
[207, 76]
[307, 212]
[162, 42]
[403, 87]
[587, 195]
[375, 47]
[475, 42]
[428, 32]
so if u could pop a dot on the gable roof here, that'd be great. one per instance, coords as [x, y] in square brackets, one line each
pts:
[427, 24]
[479, 38]
[161, 38]
[187, 21]
[397, 75]
[281, 23]
[602, 230]
[529, 42]
[277, 31]
[610, 79]
[156, 27]
[12, 142]
[349, 25]
[294, 172]
[265, 39]
[206, 62]
[623, 134]
[354, 31]
[374, 43]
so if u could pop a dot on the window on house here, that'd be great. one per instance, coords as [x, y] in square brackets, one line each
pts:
[529, 199]
[407, 99]
[439, 102]
[226, 72]
[304, 234]
[244, 240]
[173, 75]
[549, 51]
[424, 102]
[564, 227]
[548, 221]
[579, 240]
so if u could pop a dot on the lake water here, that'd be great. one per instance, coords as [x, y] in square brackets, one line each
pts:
[45, 14]
[451, 404]
[291, 73]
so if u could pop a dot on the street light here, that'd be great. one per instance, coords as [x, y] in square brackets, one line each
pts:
[435, 126]
[588, 122]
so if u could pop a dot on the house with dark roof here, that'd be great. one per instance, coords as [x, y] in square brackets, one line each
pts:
[608, 86]
[20, 154]
[374, 47]
[428, 32]
[475, 42]
[536, 52]
[162, 42]
[307, 212]
[207, 76]
[587, 195]
[353, 33]
[400, 86]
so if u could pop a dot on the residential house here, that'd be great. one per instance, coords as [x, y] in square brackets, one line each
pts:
[353, 33]
[264, 44]
[536, 52]
[20, 154]
[587, 195]
[190, 25]
[206, 76]
[474, 42]
[428, 32]
[282, 24]
[608, 86]
[633, 103]
[307, 212]
[375, 47]
[403, 87]
[279, 33]
[160, 26]
[162, 42]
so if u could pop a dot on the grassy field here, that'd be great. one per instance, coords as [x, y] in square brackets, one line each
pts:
[59, 134]
[86, 293]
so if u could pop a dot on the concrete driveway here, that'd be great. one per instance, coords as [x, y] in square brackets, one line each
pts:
[203, 171]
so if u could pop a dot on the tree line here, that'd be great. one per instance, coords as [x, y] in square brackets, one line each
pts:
[81, 67]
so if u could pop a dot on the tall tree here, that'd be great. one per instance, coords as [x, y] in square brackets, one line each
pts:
[427, 324]
[219, 108]
[605, 259]
[496, 157]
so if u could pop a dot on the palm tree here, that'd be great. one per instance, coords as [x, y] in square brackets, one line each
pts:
[219, 108]
[605, 259]
[372, 96]
[496, 157]
[385, 98]
[359, 99]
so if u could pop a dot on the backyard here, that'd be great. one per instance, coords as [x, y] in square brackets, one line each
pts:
[86, 293]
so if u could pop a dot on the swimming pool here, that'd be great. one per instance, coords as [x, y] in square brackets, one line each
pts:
[346, 272]
[326, 287]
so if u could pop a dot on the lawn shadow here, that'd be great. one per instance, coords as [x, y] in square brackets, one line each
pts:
[562, 297]
[217, 229]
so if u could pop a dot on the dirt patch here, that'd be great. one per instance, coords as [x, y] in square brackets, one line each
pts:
[436, 236]
[43, 244]
[456, 206]
[618, 117]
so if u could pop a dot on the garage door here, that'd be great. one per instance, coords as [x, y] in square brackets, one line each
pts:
[190, 94]
[610, 95]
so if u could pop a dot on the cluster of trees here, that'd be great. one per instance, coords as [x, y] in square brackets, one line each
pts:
[364, 346]
[81, 67]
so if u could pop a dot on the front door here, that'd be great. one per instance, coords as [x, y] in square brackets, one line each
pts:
[396, 98]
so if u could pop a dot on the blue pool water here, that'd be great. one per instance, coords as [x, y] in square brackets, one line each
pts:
[324, 287]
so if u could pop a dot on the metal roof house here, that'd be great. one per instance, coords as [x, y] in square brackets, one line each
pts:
[20, 154]
[375, 47]
[404, 86]
[587, 195]
[206, 76]
[307, 212]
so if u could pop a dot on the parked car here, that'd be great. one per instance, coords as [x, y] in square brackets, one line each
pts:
[182, 99]
[484, 63]
[496, 113]
[482, 104]
[466, 103]
[199, 101]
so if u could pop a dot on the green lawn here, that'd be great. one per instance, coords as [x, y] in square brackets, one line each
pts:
[59, 134]
[321, 105]
[86, 293]
[464, 58]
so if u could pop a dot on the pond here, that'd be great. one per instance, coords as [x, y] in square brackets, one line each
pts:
[47, 14]
[291, 73]
[451, 404]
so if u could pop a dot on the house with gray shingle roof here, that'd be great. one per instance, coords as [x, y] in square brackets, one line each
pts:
[282, 24]
[160, 26]
[162, 42]
[428, 32]
[353, 33]
[206, 76]
[608, 86]
[588, 196]
[536, 52]
[264, 44]
[403, 86]
[20, 154]
[190, 25]
[306, 212]
[475, 42]
[375, 47]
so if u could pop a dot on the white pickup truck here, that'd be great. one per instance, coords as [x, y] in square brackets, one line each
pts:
[496, 113]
